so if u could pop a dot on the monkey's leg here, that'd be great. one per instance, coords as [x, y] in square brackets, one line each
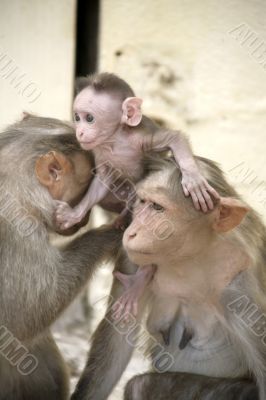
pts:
[47, 379]
[111, 349]
[180, 386]
[135, 286]
[123, 219]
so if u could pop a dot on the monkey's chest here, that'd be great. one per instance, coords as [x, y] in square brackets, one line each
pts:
[122, 161]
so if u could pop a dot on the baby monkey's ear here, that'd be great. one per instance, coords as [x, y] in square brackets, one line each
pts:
[131, 109]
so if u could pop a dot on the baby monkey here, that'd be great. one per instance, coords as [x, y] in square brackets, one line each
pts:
[109, 122]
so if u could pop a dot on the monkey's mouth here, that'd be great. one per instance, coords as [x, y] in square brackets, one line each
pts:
[148, 253]
[84, 143]
[88, 145]
[136, 251]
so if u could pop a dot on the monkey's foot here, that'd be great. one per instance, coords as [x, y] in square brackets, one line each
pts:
[122, 221]
[66, 216]
[135, 285]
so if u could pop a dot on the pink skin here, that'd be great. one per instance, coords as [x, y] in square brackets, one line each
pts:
[115, 134]
[134, 286]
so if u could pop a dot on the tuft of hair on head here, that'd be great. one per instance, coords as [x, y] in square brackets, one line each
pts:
[105, 82]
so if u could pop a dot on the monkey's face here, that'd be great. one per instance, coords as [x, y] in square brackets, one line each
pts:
[97, 117]
[159, 227]
[166, 228]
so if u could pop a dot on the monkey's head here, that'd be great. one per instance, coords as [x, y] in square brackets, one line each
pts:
[165, 222]
[105, 102]
[49, 165]
[66, 177]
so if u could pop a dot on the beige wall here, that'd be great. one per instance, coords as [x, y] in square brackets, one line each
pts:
[195, 75]
[37, 42]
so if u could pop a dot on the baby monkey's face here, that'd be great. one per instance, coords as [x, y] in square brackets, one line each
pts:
[97, 117]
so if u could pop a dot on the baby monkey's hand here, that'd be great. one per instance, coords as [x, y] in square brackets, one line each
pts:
[66, 216]
[195, 185]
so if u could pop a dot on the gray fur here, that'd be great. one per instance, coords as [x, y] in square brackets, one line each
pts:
[110, 354]
[37, 280]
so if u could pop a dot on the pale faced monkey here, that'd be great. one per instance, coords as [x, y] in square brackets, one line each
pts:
[109, 121]
[210, 277]
[37, 280]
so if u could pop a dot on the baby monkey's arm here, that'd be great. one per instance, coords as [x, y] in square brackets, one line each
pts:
[67, 216]
[134, 288]
[193, 182]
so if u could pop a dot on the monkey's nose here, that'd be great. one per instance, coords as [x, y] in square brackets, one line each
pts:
[132, 235]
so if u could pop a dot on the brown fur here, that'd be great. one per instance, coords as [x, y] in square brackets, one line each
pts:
[105, 82]
[37, 280]
[110, 352]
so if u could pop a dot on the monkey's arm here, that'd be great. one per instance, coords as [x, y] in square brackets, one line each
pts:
[135, 286]
[189, 386]
[111, 349]
[67, 216]
[46, 287]
[193, 182]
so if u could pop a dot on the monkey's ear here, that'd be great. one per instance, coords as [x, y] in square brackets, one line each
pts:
[26, 115]
[51, 167]
[131, 109]
[229, 213]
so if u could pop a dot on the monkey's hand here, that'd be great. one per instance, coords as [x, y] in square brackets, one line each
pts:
[134, 286]
[195, 185]
[65, 216]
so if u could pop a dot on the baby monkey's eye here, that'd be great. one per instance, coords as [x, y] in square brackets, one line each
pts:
[76, 117]
[157, 207]
[90, 118]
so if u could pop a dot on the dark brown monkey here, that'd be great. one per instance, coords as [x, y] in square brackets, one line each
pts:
[206, 304]
[37, 280]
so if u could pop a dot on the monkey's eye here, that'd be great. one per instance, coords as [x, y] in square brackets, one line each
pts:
[157, 207]
[76, 117]
[142, 201]
[90, 118]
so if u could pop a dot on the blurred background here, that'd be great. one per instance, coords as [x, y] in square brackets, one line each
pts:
[199, 66]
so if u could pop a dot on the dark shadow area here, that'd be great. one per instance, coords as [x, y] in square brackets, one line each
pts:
[87, 36]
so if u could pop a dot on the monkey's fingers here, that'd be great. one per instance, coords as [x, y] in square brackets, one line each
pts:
[60, 203]
[212, 191]
[117, 309]
[135, 308]
[202, 201]
[131, 307]
[207, 199]
[195, 200]
[185, 190]
[67, 225]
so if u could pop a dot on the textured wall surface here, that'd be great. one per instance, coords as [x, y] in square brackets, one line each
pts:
[37, 44]
[200, 66]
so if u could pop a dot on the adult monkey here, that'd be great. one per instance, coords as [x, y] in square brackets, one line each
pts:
[37, 280]
[210, 278]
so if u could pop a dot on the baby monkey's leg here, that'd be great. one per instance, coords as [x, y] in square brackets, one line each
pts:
[134, 288]
[124, 218]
